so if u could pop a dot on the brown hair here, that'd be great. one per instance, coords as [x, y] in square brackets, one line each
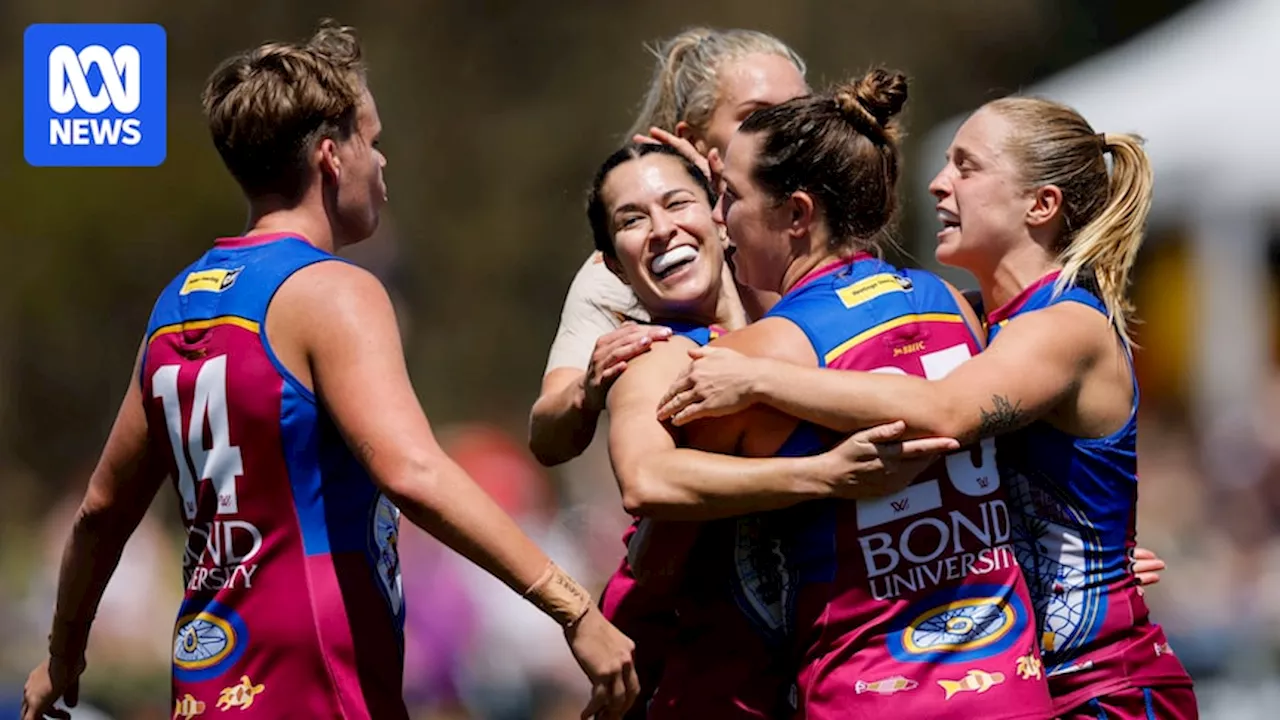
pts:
[267, 107]
[686, 78]
[841, 147]
[1104, 214]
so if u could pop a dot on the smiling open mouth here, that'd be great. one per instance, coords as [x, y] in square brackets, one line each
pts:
[672, 260]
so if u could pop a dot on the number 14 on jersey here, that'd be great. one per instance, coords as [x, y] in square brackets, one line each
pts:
[221, 462]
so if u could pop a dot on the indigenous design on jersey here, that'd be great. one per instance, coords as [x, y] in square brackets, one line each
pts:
[293, 603]
[911, 605]
[1074, 503]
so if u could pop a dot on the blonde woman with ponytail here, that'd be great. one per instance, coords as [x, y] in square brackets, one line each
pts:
[1030, 207]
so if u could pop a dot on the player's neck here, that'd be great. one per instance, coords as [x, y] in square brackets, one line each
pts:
[801, 266]
[730, 311]
[1015, 272]
[266, 221]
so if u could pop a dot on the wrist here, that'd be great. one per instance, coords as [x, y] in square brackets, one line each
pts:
[68, 640]
[819, 476]
[758, 388]
[559, 596]
[588, 401]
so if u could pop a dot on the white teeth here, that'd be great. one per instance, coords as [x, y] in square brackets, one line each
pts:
[671, 258]
[947, 218]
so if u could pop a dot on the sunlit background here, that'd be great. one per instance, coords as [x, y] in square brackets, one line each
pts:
[496, 115]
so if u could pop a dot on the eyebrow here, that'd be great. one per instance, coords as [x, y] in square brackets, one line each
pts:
[754, 105]
[958, 153]
[635, 207]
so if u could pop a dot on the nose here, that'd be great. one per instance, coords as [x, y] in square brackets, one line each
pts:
[940, 185]
[717, 212]
[662, 227]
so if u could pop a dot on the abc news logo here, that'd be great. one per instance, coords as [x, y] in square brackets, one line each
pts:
[69, 88]
[94, 95]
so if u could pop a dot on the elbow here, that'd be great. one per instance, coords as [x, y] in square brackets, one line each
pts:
[542, 450]
[550, 444]
[547, 454]
[637, 501]
[412, 482]
[645, 495]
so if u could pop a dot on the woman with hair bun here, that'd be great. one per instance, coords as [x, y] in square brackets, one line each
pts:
[910, 605]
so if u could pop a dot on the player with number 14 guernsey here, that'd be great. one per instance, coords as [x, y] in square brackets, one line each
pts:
[271, 388]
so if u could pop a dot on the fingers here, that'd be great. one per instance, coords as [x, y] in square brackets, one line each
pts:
[597, 702]
[623, 344]
[627, 351]
[881, 433]
[715, 161]
[1141, 553]
[632, 681]
[72, 694]
[1148, 566]
[925, 447]
[695, 411]
[670, 402]
[685, 147]
[617, 705]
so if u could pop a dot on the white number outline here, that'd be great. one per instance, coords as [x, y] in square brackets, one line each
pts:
[972, 479]
[222, 462]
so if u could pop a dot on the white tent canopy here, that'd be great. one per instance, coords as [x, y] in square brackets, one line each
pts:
[1201, 89]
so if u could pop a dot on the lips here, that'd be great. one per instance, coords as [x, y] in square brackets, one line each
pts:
[949, 219]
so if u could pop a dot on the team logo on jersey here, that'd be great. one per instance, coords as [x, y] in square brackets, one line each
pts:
[207, 642]
[962, 624]
[215, 280]
[239, 696]
[870, 288]
[1058, 548]
[386, 552]
[1030, 667]
[887, 686]
[765, 589]
[187, 707]
[978, 681]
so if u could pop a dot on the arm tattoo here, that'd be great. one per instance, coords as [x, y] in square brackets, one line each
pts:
[364, 453]
[1001, 418]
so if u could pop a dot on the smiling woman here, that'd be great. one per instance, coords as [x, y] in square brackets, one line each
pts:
[651, 219]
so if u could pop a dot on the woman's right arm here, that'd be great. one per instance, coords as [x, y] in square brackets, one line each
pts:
[590, 350]
[564, 417]
[352, 344]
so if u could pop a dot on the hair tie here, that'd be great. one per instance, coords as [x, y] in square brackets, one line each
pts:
[1102, 141]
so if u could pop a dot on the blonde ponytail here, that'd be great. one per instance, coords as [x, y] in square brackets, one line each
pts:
[662, 103]
[1104, 214]
[1108, 245]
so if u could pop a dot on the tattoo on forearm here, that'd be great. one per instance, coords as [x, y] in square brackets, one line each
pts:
[1001, 418]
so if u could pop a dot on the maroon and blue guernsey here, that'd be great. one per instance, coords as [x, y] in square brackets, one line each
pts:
[1074, 503]
[911, 605]
[293, 604]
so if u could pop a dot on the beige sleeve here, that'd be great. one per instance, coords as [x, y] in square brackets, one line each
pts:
[597, 303]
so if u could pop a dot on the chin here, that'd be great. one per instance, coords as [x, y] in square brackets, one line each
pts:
[948, 253]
